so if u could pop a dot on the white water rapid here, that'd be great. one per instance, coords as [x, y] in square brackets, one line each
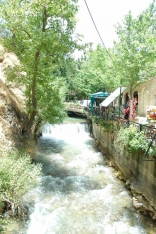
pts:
[80, 193]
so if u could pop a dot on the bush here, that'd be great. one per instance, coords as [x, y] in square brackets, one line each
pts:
[132, 139]
[107, 124]
[3, 222]
[17, 176]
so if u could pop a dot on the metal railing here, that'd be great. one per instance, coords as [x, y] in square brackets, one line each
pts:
[149, 130]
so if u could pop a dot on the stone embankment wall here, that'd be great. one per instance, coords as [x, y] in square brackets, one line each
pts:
[138, 174]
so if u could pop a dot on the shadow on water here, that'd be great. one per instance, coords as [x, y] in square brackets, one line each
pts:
[48, 145]
[68, 184]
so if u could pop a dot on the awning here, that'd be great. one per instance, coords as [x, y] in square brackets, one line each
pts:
[113, 96]
[100, 94]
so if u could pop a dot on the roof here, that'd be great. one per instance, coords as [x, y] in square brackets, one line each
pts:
[100, 94]
[113, 96]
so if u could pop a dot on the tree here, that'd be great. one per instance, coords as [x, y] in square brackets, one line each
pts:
[136, 49]
[96, 73]
[41, 36]
[69, 73]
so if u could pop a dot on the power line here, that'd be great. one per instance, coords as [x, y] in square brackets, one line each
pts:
[98, 32]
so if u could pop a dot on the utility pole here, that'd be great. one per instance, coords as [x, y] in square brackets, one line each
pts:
[119, 102]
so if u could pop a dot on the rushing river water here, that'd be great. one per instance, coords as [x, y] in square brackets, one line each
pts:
[80, 193]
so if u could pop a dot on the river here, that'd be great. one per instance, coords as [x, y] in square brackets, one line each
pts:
[80, 193]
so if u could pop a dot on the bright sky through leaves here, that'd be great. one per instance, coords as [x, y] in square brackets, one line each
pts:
[106, 14]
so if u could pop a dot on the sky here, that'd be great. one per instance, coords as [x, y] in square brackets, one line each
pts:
[106, 14]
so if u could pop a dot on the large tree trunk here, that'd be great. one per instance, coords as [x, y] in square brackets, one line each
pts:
[34, 102]
[33, 95]
[31, 122]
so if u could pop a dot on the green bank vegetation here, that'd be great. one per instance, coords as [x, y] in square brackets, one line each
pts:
[131, 139]
[17, 176]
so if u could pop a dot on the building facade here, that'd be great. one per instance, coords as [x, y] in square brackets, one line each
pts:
[145, 94]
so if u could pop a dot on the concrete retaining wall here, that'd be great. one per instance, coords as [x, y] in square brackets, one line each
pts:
[139, 175]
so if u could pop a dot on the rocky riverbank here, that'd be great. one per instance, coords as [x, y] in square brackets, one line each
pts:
[12, 109]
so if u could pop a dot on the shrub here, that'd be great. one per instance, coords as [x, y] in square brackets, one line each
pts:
[132, 139]
[3, 222]
[17, 176]
[107, 124]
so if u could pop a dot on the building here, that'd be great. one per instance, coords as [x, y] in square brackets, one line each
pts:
[143, 102]
[146, 97]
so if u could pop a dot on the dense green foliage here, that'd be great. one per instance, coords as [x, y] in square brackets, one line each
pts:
[131, 139]
[69, 73]
[17, 176]
[135, 51]
[95, 74]
[3, 222]
[41, 34]
[129, 62]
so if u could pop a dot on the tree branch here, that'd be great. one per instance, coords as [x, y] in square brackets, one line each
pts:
[27, 33]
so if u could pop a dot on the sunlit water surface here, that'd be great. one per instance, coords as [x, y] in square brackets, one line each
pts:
[80, 193]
